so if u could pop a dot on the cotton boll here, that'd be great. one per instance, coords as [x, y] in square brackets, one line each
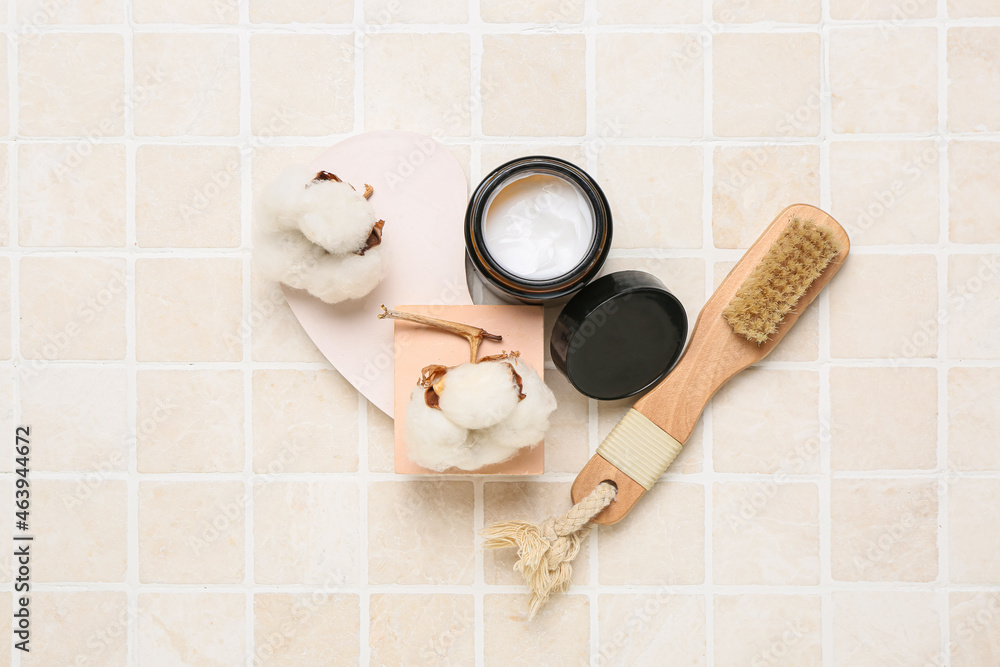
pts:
[286, 257]
[339, 278]
[479, 395]
[279, 205]
[335, 216]
[432, 440]
[527, 423]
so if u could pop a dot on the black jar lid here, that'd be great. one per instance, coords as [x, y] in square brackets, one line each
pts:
[619, 335]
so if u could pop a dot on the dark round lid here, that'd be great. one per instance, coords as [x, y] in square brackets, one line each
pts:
[619, 335]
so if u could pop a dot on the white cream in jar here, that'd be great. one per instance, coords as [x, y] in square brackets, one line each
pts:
[539, 227]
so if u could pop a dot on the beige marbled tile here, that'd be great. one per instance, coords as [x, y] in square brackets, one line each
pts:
[973, 187]
[974, 531]
[882, 10]
[187, 196]
[301, 84]
[178, 320]
[71, 195]
[884, 530]
[525, 501]
[669, 523]
[303, 11]
[650, 85]
[543, 11]
[186, 84]
[642, 629]
[39, 13]
[304, 421]
[766, 421]
[383, 12]
[420, 533]
[306, 629]
[4, 194]
[883, 81]
[784, 11]
[884, 306]
[78, 96]
[768, 630]
[766, 85]
[421, 629]
[492, 156]
[5, 301]
[72, 308]
[974, 79]
[186, 11]
[189, 421]
[306, 533]
[974, 306]
[418, 83]
[381, 440]
[84, 536]
[567, 442]
[874, 629]
[276, 332]
[972, 8]
[886, 191]
[559, 635]
[883, 418]
[753, 184]
[533, 85]
[191, 629]
[191, 532]
[973, 419]
[82, 412]
[975, 628]
[765, 533]
[655, 194]
[5, 87]
[78, 628]
[649, 11]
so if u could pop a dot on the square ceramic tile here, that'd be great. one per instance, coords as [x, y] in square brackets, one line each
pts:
[766, 421]
[381, 440]
[975, 628]
[5, 88]
[883, 81]
[301, 84]
[420, 533]
[785, 11]
[882, 10]
[72, 308]
[768, 629]
[567, 447]
[974, 531]
[79, 96]
[972, 8]
[669, 523]
[384, 12]
[974, 79]
[176, 319]
[198, 206]
[84, 534]
[886, 191]
[766, 85]
[873, 629]
[418, 83]
[493, 155]
[546, 11]
[275, 331]
[649, 11]
[5, 302]
[82, 413]
[186, 84]
[641, 629]
[884, 306]
[304, 421]
[558, 635]
[973, 183]
[973, 418]
[186, 11]
[430, 629]
[71, 195]
[4, 195]
[191, 532]
[650, 85]
[306, 628]
[884, 530]
[79, 627]
[525, 78]
[883, 418]
[974, 306]
[307, 11]
[753, 184]
[655, 194]
[191, 628]
[524, 501]
[749, 519]
[306, 533]
[189, 421]
[39, 12]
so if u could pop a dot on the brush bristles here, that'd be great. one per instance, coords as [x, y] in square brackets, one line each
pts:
[792, 263]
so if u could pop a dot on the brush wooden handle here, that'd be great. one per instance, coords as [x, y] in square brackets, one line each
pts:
[714, 354]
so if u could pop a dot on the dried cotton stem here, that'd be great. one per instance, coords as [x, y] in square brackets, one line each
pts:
[475, 335]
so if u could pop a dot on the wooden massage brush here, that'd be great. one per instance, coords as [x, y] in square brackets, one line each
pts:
[750, 312]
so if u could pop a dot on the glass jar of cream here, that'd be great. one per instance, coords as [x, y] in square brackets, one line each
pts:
[537, 229]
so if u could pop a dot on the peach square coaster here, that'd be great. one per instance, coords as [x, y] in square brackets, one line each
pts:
[418, 346]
